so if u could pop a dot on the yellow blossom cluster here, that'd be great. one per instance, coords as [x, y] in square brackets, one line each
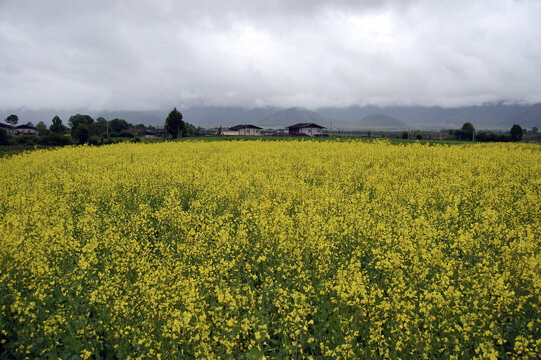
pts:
[279, 249]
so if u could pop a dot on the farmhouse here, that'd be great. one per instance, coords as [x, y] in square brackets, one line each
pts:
[8, 128]
[242, 130]
[151, 132]
[26, 130]
[306, 129]
[250, 130]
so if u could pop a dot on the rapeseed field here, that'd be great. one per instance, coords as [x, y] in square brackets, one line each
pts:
[288, 249]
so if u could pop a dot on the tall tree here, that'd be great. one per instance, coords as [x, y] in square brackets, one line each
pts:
[174, 124]
[516, 133]
[100, 127]
[42, 129]
[81, 133]
[468, 130]
[57, 126]
[12, 119]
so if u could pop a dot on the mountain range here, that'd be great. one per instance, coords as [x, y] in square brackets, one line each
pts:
[487, 116]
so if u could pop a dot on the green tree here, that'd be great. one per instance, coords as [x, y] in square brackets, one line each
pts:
[189, 129]
[78, 119]
[42, 129]
[118, 126]
[81, 133]
[535, 130]
[99, 127]
[516, 133]
[139, 129]
[174, 124]
[12, 119]
[57, 126]
[468, 130]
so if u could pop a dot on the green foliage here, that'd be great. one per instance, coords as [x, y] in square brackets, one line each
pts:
[190, 129]
[57, 126]
[4, 137]
[466, 132]
[12, 119]
[174, 124]
[94, 140]
[118, 126]
[535, 130]
[78, 119]
[516, 133]
[81, 133]
[491, 137]
[99, 128]
[24, 140]
[55, 139]
[42, 128]
[109, 141]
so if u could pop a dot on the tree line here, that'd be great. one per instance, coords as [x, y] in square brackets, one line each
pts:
[82, 128]
[468, 132]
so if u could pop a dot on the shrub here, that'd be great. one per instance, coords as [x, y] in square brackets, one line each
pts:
[24, 140]
[55, 139]
[4, 137]
[94, 140]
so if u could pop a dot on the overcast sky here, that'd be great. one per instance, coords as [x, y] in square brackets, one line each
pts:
[147, 55]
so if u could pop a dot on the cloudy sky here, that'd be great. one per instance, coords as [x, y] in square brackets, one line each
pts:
[148, 55]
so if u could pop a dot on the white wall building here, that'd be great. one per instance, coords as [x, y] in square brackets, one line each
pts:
[241, 130]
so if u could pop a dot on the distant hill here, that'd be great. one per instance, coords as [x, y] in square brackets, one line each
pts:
[527, 118]
[381, 121]
[487, 116]
[283, 118]
[213, 116]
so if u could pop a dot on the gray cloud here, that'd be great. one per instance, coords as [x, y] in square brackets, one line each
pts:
[142, 55]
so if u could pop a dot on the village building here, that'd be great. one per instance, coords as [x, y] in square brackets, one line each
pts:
[241, 130]
[306, 129]
[151, 132]
[247, 130]
[26, 130]
[8, 128]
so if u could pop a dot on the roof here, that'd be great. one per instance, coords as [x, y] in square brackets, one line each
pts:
[7, 126]
[305, 125]
[27, 127]
[246, 126]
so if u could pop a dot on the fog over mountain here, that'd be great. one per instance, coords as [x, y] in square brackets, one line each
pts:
[489, 116]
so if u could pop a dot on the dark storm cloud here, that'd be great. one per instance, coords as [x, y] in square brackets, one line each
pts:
[136, 55]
